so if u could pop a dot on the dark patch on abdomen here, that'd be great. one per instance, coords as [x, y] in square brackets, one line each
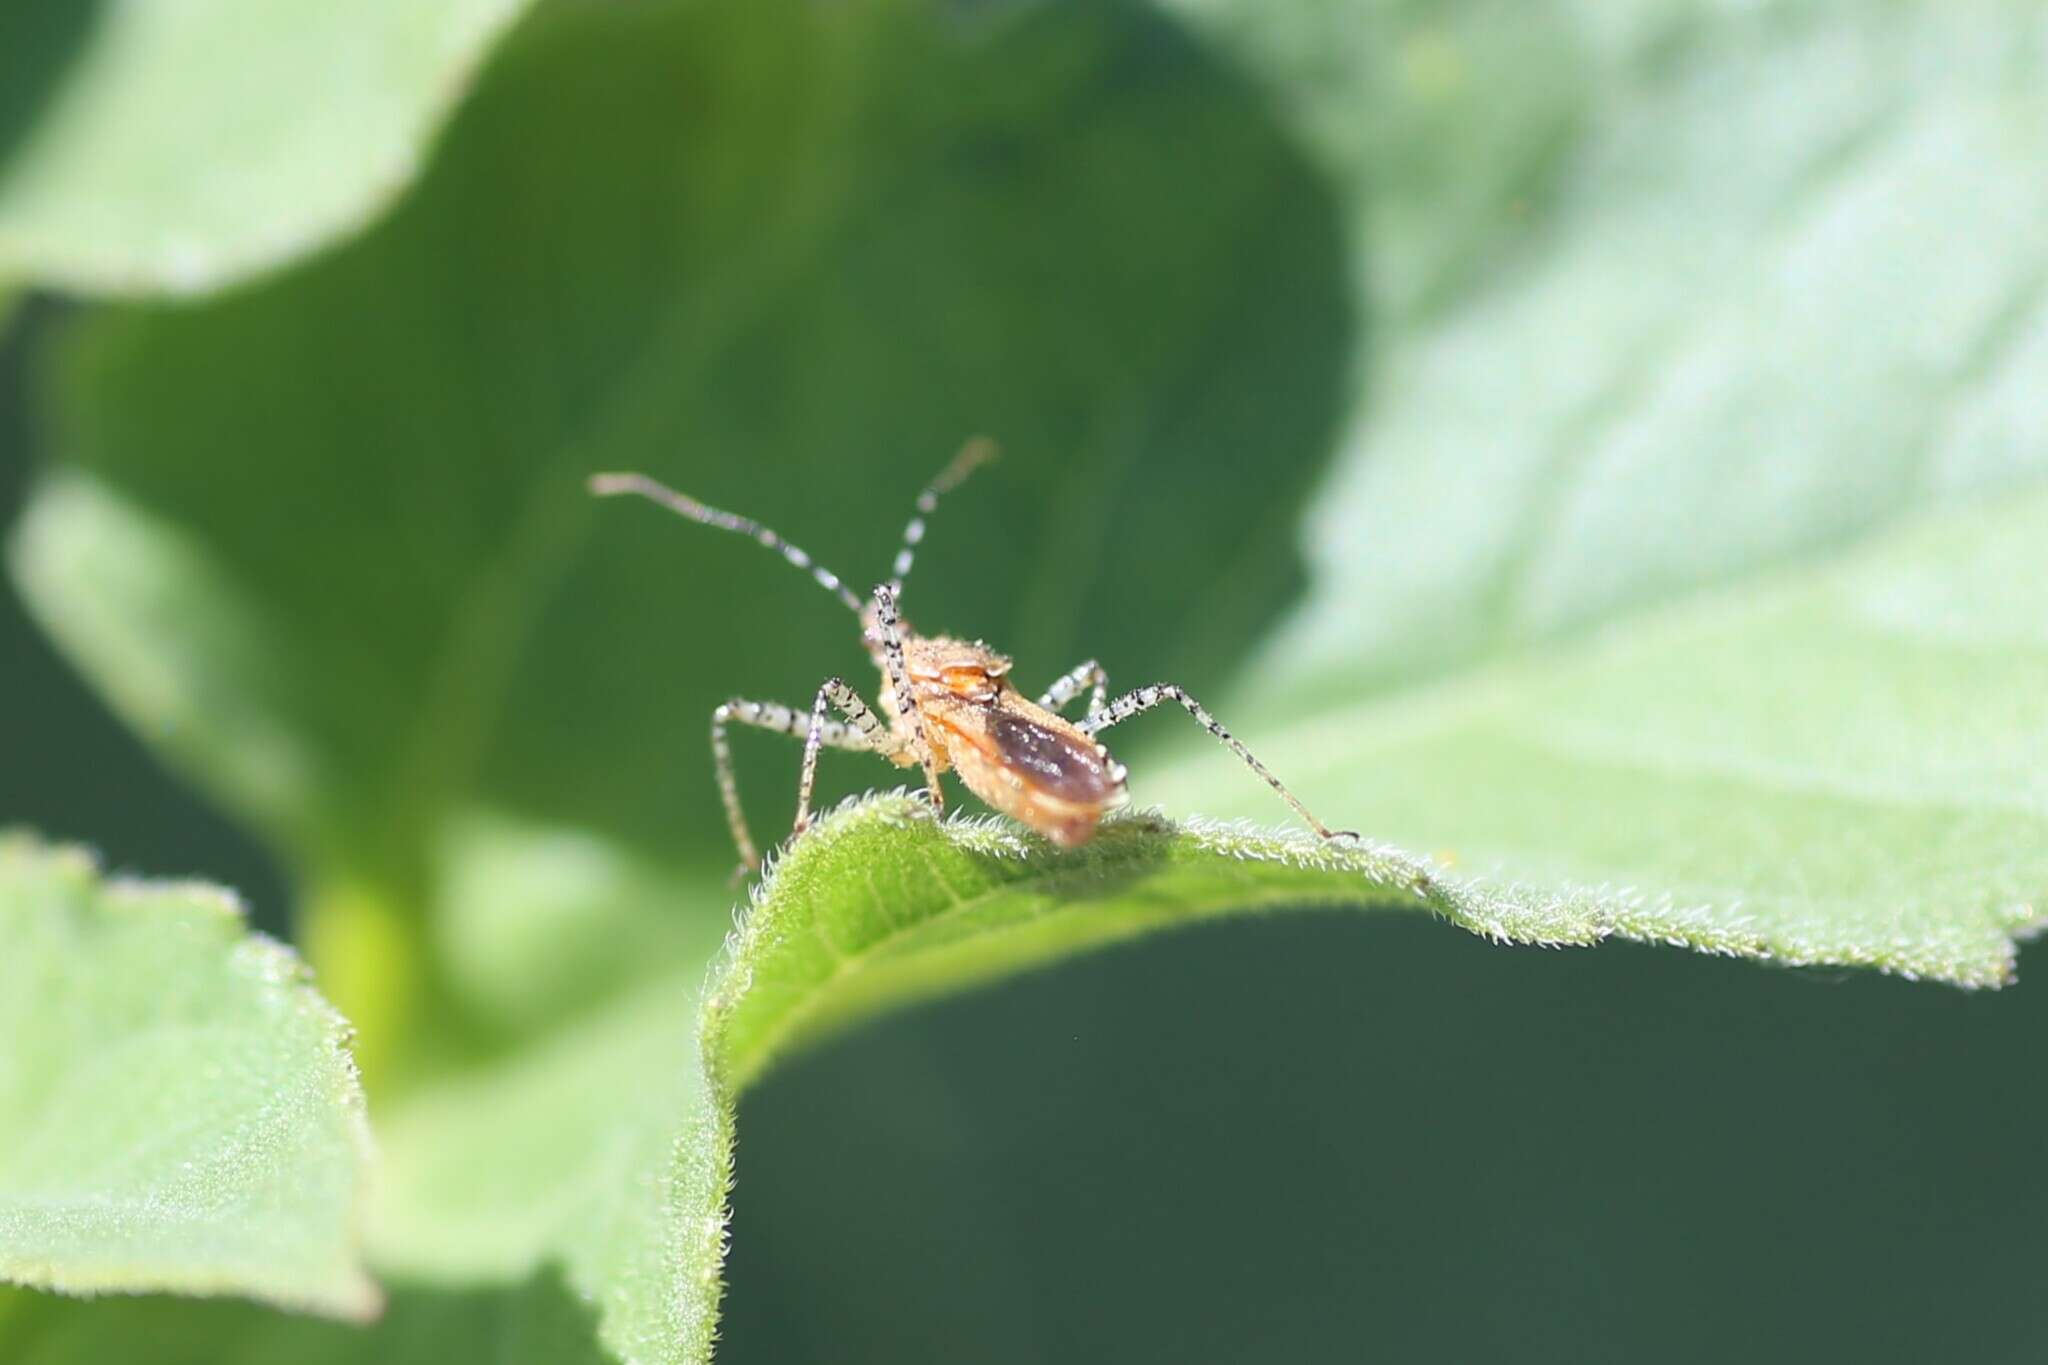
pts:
[1055, 763]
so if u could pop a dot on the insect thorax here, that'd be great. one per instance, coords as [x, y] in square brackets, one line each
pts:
[943, 668]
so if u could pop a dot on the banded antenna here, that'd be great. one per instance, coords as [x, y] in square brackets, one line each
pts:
[613, 485]
[976, 453]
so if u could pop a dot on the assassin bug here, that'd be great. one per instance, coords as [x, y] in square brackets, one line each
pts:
[946, 702]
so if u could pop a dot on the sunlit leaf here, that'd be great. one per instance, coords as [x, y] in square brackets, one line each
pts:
[177, 1107]
[1840, 763]
[1685, 558]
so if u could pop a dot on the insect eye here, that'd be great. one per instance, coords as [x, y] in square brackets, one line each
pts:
[968, 680]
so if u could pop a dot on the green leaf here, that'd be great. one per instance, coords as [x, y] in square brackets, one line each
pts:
[596, 1149]
[884, 906]
[178, 1110]
[536, 1322]
[1784, 294]
[1719, 617]
[177, 148]
[1839, 762]
[621, 1163]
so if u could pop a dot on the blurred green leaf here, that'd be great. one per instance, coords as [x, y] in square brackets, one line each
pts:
[595, 1148]
[1441, 125]
[177, 1107]
[536, 1322]
[175, 148]
[326, 541]
[1685, 557]
[1786, 292]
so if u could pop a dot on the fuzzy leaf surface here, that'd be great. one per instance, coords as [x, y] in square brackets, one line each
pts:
[1684, 561]
[879, 907]
[178, 1110]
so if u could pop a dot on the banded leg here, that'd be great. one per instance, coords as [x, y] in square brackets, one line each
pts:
[863, 729]
[1070, 684]
[891, 638]
[763, 715]
[1145, 698]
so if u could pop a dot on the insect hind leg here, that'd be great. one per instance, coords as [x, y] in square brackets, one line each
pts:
[1068, 686]
[862, 729]
[767, 715]
[1144, 699]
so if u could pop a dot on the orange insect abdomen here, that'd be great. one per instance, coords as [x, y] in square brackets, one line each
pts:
[1032, 766]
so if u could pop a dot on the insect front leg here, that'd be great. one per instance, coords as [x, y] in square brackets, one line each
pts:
[907, 715]
[862, 729]
[765, 715]
[1145, 698]
[1070, 684]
